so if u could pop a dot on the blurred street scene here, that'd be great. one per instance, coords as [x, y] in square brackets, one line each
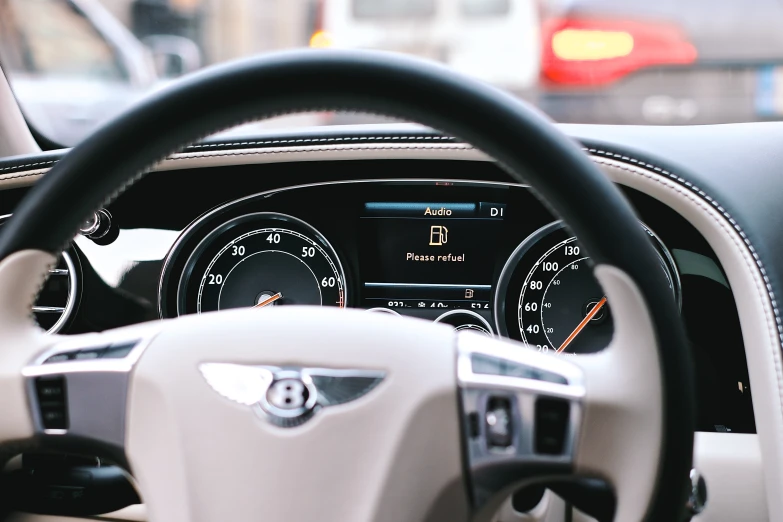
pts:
[76, 63]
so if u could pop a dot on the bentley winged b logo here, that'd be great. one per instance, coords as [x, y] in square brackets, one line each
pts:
[288, 396]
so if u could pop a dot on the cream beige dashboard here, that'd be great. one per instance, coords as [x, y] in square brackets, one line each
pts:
[731, 462]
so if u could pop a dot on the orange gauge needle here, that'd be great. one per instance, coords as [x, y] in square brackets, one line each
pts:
[581, 325]
[272, 298]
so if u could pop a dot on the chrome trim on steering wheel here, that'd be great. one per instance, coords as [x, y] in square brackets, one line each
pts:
[517, 379]
[77, 390]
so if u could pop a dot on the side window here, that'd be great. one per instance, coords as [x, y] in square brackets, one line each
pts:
[54, 38]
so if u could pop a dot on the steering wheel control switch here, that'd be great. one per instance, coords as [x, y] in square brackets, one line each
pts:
[52, 401]
[498, 422]
[551, 425]
[525, 422]
[74, 372]
[99, 227]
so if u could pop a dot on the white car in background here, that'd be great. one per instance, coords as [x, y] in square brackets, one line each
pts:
[497, 41]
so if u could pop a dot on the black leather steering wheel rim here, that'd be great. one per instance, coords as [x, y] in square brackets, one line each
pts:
[525, 143]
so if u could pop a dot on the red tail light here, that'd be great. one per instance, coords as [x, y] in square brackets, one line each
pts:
[597, 52]
[318, 17]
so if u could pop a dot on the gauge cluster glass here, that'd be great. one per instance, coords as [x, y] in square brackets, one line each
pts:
[548, 297]
[260, 260]
[471, 256]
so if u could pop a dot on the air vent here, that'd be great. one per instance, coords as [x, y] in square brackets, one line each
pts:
[57, 298]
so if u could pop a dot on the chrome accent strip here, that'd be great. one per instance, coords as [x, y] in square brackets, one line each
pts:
[102, 222]
[668, 258]
[91, 229]
[381, 309]
[77, 367]
[70, 304]
[37, 367]
[471, 344]
[49, 309]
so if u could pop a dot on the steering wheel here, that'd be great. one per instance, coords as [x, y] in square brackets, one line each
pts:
[238, 415]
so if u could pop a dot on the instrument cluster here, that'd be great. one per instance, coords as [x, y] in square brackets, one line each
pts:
[484, 256]
[476, 256]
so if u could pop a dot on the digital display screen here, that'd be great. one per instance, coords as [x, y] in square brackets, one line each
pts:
[439, 254]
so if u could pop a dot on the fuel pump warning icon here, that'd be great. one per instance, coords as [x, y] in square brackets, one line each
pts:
[439, 235]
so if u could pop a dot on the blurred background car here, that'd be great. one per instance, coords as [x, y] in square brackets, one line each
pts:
[462, 34]
[77, 63]
[661, 61]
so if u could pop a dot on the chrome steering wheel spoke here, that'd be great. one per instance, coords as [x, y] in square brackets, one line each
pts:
[78, 390]
[521, 414]
[532, 417]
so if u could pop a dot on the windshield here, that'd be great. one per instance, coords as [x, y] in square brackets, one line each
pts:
[73, 64]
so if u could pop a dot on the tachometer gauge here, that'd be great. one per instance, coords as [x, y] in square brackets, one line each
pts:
[261, 260]
[548, 297]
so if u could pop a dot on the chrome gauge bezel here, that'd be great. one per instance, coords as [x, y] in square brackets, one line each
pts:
[509, 270]
[476, 317]
[219, 228]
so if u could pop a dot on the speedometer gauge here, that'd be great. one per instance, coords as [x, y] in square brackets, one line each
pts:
[557, 295]
[261, 260]
[548, 297]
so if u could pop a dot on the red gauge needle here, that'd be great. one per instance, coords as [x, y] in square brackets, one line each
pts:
[269, 300]
[593, 311]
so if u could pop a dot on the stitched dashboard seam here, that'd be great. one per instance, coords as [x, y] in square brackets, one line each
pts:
[190, 151]
[299, 150]
[318, 140]
[717, 206]
[774, 323]
[25, 174]
[40, 164]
